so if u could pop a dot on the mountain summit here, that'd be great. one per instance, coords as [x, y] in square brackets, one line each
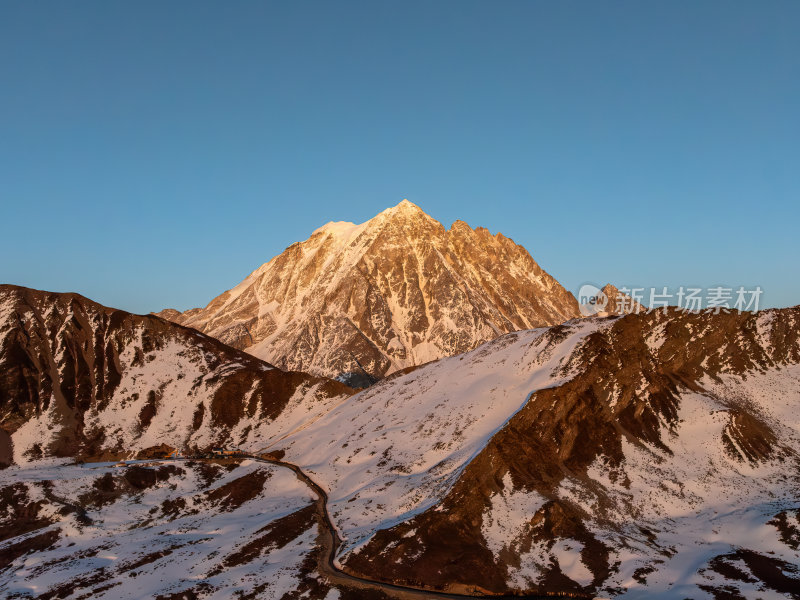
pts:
[396, 291]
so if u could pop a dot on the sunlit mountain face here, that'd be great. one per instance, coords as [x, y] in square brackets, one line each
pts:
[397, 291]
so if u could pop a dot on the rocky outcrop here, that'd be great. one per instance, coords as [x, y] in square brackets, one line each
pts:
[620, 303]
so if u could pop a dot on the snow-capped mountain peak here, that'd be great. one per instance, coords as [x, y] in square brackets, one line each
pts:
[395, 291]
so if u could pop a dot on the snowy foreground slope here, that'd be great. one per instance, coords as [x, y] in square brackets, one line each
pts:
[396, 291]
[645, 456]
[180, 529]
[81, 379]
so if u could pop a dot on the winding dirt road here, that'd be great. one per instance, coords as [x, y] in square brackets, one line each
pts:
[330, 541]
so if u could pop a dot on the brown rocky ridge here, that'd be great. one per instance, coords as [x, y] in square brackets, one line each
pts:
[80, 379]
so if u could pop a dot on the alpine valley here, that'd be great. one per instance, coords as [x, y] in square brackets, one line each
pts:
[397, 410]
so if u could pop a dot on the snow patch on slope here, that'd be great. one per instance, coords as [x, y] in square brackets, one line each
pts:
[508, 517]
[35, 431]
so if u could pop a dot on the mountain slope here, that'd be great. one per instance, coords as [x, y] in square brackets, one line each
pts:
[649, 455]
[77, 379]
[106, 532]
[397, 291]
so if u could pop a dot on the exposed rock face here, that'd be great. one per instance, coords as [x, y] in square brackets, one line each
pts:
[610, 301]
[646, 454]
[77, 379]
[397, 291]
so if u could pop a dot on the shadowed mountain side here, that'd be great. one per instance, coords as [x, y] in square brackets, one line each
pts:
[78, 378]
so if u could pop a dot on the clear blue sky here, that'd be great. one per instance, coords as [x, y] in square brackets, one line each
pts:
[154, 153]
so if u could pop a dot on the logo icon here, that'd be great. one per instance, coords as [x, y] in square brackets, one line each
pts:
[592, 300]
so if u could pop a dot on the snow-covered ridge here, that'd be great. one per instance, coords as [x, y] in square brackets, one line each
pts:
[84, 380]
[395, 449]
[662, 462]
